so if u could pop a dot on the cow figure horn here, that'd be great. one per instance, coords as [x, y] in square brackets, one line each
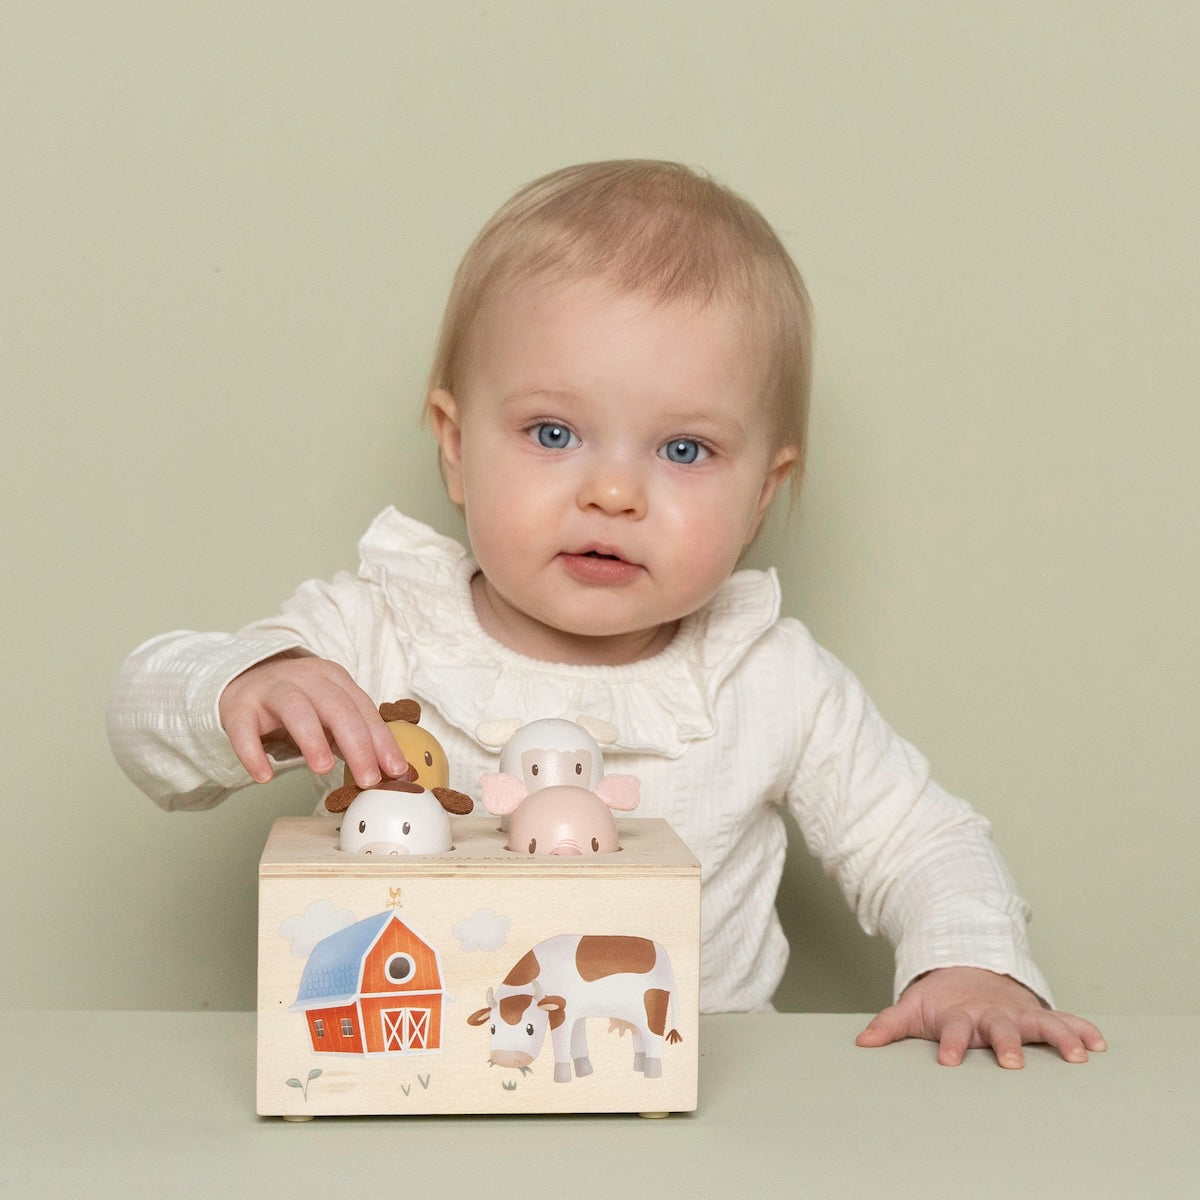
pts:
[495, 734]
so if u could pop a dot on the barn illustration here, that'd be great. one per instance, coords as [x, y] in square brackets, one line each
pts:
[374, 987]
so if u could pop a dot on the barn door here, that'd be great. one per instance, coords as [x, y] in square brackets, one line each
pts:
[417, 1028]
[405, 1029]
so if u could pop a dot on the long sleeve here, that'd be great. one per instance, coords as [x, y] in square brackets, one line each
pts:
[163, 723]
[914, 862]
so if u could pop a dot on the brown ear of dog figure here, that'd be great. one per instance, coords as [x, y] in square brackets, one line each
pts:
[458, 803]
[401, 710]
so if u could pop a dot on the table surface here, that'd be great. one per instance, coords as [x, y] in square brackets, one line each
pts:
[143, 1104]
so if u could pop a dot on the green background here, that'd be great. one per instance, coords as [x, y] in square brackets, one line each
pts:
[226, 234]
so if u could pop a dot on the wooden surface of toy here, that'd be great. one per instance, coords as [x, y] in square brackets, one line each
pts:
[371, 968]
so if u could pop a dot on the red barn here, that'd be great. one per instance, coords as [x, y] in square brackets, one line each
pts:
[374, 987]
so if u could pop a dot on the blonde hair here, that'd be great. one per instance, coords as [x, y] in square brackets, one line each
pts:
[649, 228]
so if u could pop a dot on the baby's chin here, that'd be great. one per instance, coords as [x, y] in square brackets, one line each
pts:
[622, 648]
[562, 630]
[559, 642]
[607, 649]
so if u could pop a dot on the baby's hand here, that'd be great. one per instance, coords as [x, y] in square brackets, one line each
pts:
[317, 706]
[964, 1007]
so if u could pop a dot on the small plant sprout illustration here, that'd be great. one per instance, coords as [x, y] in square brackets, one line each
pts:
[509, 1085]
[294, 1082]
[525, 1070]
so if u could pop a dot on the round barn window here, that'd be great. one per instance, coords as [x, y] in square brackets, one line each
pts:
[400, 968]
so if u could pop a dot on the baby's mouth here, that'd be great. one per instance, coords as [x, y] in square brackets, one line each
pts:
[600, 564]
[599, 551]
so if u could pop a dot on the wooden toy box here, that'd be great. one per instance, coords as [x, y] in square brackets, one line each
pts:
[374, 975]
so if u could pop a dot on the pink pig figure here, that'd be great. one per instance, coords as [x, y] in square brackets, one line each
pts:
[562, 819]
[549, 753]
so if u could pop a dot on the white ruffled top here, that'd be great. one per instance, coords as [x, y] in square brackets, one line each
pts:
[659, 704]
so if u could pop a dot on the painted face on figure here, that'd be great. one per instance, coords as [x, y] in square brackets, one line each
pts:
[612, 457]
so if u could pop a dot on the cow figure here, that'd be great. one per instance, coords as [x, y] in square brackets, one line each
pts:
[566, 979]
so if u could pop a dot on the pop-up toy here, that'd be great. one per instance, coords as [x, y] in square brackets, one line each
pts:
[413, 956]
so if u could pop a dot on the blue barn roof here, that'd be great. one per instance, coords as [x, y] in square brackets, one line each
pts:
[334, 966]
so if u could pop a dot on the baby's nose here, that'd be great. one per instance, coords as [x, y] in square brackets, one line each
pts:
[614, 487]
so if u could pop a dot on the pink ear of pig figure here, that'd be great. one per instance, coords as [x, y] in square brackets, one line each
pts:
[562, 820]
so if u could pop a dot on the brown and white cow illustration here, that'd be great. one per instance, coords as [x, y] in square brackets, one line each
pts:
[566, 979]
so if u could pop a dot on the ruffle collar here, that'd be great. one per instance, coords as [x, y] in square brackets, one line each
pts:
[657, 705]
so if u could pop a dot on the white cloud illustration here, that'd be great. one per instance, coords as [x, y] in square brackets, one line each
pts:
[320, 919]
[483, 931]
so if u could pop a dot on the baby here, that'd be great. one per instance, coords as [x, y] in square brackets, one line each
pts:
[620, 390]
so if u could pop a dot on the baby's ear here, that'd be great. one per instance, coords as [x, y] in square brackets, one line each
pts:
[781, 467]
[443, 416]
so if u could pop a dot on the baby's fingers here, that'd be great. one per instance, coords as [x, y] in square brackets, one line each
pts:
[365, 742]
[300, 715]
[1071, 1036]
[244, 737]
[955, 1036]
[893, 1024]
[1089, 1034]
[1007, 1033]
[316, 704]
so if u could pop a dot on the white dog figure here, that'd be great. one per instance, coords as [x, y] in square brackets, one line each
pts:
[549, 753]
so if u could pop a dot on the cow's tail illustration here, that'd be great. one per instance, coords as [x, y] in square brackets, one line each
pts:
[674, 1037]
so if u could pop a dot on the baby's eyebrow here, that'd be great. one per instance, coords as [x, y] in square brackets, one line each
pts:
[716, 425]
[549, 395]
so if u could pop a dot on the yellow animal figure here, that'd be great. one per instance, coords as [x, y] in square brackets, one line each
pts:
[427, 762]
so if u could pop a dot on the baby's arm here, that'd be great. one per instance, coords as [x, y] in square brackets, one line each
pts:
[919, 865]
[165, 723]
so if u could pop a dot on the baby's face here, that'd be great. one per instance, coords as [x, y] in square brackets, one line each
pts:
[612, 457]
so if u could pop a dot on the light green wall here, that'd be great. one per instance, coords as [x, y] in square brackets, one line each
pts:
[226, 233]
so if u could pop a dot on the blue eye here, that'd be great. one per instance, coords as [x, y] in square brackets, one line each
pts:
[553, 436]
[684, 451]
